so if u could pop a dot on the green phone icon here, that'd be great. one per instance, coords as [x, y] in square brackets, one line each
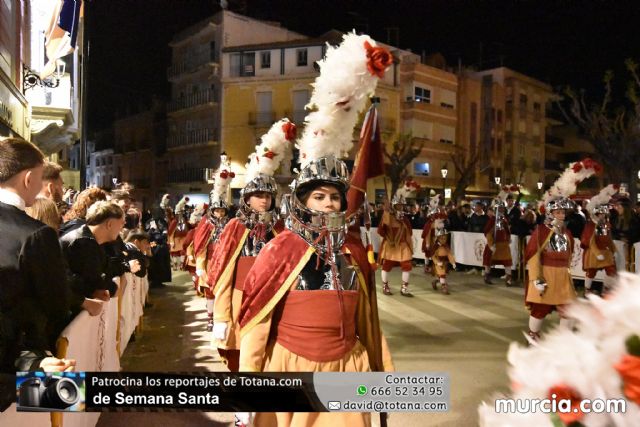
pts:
[362, 390]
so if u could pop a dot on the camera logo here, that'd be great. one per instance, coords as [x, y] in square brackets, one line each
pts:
[51, 392]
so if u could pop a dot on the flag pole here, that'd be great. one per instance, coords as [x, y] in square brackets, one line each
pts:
[84, 95]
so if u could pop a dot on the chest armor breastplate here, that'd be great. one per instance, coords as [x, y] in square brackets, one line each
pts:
[559, 242]
[322, 278]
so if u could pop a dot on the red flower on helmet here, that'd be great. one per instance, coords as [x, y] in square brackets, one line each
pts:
[224, 174]
[290, 131]
[378, 59]
[577, 167]
[564, 392]
[269, 154]
[514, 188]
[232, 175]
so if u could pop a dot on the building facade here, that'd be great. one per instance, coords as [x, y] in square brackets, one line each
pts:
[15, 29]
[195, 138]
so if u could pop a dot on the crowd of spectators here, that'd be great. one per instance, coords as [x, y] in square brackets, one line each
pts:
[523, 217]
[60, 252]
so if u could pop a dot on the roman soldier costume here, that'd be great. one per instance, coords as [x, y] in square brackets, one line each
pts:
[497, 231]
[396, 248]
[435, 212]
[309, 300]
[550, 249]
[596, 241]
[243, 238]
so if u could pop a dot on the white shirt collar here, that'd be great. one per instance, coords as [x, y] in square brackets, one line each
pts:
[11, 198]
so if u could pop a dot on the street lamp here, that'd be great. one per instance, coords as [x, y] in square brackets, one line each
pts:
[444, 171]
[540, 184]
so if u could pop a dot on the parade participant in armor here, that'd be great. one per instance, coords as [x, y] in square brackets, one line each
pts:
[596, 241]
[244, 236]
[396, 248]
[497, 251]
[549, 251]
[441, 255]
[310, 299]
[209, 230]
[189, 257]
[178, 229]
[436, 212]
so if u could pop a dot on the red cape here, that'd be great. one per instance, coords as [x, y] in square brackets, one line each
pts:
[230, 239]
[202, 234]
[280, 262]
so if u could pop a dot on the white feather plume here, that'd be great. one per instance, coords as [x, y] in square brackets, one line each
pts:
[197, 214]
[603, 197]
[340, 93]
[180, 205]
[222, 180]
[274, 147]
[567, 184]
[583, 359]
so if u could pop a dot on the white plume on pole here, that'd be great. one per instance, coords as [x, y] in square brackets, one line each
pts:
[273, 148]
[340, 93]
[603, 197]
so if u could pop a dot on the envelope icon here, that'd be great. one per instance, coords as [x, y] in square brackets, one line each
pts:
[334, 406]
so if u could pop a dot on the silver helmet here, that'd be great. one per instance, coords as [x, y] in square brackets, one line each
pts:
[309, 223]
[260, 184]
[216, 202]
[554, 205]
[601, 209]
[559, 203]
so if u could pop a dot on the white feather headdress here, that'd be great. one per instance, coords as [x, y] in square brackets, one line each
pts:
[567, 184]
[274, 148]
[603, 197]
[598, 359]
[348, 76]
[223, 177]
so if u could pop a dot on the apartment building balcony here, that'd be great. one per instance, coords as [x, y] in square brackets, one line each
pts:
[262, 118]
[196, 99]
[192, 64]
[206, 136]
[176, 176]
[412, 106]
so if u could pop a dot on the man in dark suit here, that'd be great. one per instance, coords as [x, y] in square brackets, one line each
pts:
[34, 295]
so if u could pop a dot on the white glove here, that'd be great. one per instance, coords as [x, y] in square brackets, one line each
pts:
[220, 330]
[600, 257]
[492, 248]
[199, 272]
[453, 265]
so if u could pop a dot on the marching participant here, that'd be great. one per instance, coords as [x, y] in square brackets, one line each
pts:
[441, 255]
[177, 232]
[596, 241]
[428, 232]
[309, 300]
[396, 248]
[189, 264]
[497, 251]
[244, 236]
[549, 251]
[209, 230]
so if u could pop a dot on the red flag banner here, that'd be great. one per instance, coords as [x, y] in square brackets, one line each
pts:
[369, 161]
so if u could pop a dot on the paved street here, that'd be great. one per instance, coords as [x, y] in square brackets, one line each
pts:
[466, 334]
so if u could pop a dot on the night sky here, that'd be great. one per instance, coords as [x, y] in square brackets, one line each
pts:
[560, 42]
